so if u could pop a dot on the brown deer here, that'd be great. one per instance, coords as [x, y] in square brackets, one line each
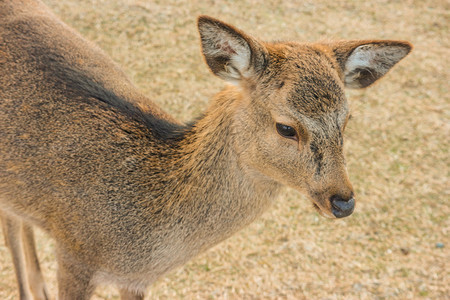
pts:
[127, 192]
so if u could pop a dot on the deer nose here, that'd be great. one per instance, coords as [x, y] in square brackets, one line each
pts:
[342, 207]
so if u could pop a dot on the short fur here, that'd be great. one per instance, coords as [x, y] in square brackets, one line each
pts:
[127, 192]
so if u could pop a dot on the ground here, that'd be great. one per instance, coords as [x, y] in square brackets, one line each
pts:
[396, 244]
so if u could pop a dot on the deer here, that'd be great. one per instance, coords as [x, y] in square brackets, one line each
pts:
[129, 193]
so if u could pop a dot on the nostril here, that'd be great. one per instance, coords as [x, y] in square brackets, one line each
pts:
[342, 207]
[340, 198]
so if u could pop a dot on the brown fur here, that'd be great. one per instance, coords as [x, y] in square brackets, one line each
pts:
[127, 192]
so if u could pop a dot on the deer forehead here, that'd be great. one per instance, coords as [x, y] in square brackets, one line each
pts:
[307, 79]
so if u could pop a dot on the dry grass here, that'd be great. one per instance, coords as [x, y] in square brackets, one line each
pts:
[396, 145]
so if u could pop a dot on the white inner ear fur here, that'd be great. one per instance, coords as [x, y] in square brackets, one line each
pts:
[372, 57]
[234, 47]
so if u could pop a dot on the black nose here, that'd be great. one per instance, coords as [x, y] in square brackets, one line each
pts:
[340, 207]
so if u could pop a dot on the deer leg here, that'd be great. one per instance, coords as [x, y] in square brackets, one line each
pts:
[35, 278]
[74, 279]
[12, 229]
[128, 295]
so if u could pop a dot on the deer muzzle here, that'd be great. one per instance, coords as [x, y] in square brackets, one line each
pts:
[341, 207]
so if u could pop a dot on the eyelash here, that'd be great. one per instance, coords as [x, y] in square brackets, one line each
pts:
[346, 121]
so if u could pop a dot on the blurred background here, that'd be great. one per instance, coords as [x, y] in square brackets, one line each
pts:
[396, 244]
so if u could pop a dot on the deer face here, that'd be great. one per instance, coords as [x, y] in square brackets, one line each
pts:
[299, 139]
[293, 105]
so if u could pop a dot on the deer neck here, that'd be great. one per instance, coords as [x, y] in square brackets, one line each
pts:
[220, 192]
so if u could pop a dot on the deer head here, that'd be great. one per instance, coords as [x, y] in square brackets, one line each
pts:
[292, 106]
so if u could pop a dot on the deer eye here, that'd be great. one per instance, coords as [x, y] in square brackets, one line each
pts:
[286, 131]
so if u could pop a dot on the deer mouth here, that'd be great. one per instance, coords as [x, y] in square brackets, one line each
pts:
[324, 212]
[337, 208]
[332, 207]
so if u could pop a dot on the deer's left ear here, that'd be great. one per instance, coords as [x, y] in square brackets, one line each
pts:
[364, 62]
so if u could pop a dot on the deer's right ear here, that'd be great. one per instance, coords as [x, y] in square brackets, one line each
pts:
[230, 53]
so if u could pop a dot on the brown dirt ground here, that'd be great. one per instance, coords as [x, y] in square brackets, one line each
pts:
[396, 145]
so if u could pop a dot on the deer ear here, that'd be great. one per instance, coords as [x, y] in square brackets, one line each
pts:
[364, 62]
[230, 53]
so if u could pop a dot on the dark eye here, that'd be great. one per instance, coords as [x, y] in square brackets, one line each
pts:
[286, 131]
